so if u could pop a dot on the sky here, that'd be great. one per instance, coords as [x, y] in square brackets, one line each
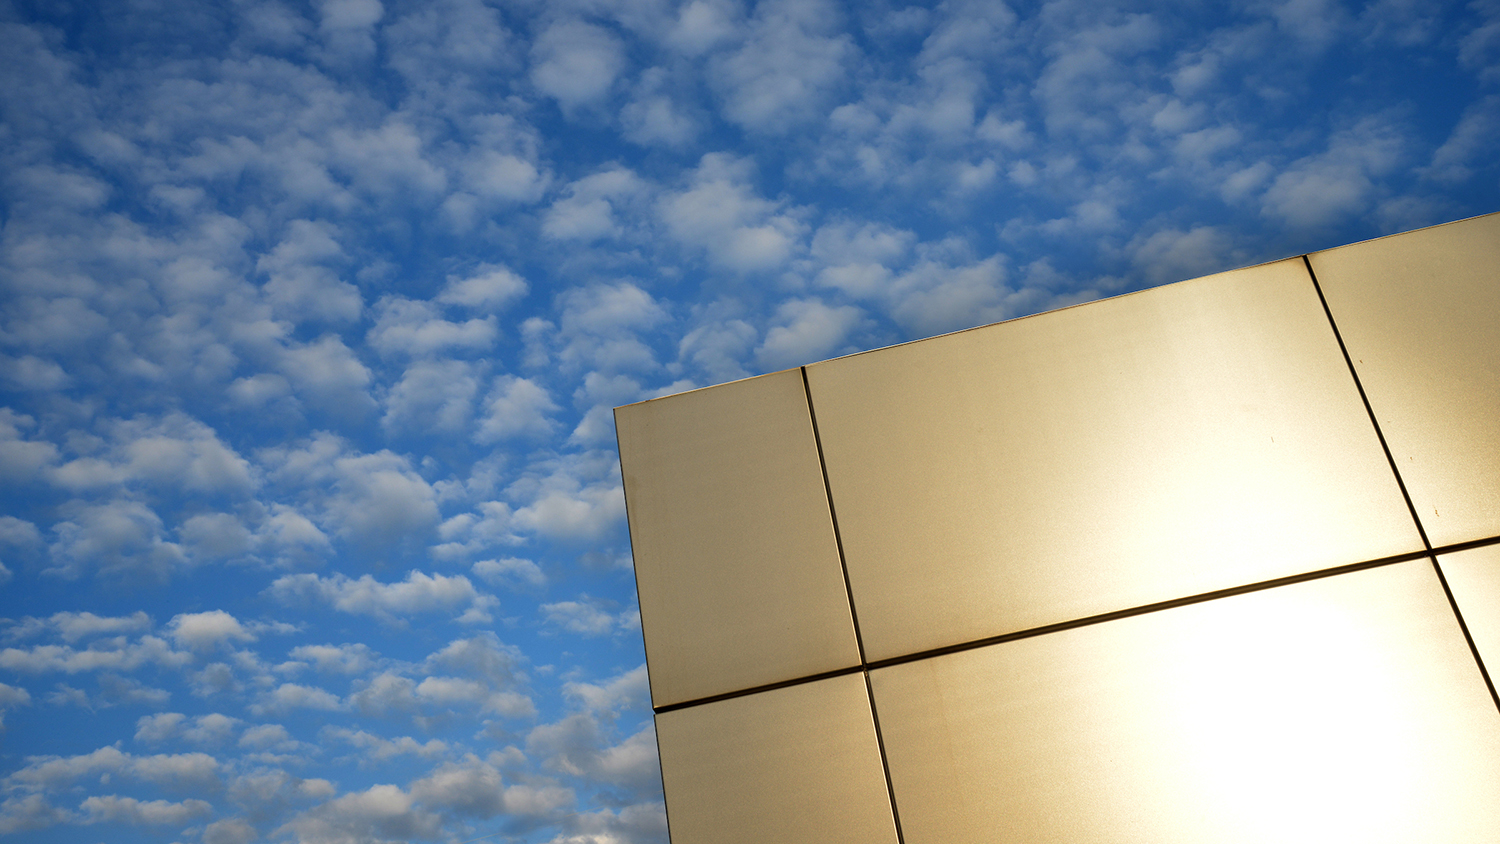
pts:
[312, 317]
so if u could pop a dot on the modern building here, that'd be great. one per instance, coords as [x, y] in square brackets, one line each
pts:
[1213, 562]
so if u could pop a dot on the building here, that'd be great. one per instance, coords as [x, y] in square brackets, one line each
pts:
[1216, 561]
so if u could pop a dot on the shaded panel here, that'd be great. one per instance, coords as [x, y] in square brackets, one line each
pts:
[1343, 709]
[793, 764]
[1420, 315]
[735, 559]
[1184, 439]
[1474, 578]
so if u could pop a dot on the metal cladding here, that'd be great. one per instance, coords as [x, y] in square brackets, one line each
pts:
[1216, 561]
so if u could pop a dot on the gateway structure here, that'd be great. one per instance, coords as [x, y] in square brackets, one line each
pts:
[1216, 561]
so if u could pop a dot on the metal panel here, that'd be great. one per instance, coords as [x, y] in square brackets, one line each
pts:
[735, 558]
[1420, 315]
[789, 765]
[1342, 709]
[1474, 577]
[1167, 443]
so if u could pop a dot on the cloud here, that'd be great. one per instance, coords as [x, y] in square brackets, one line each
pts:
[489, 287]
[337, 659]
[515, 407]
[378, 749]
[108, 655]
[1325, 188]
[721, 214]
[627, 691]
[300, 284]
[578, 745]
[409, 327]
[10, 698]
[418, 593]
[179, 770]
[590, 208]
[476, 789]
[176, 452]
[379, 813]
[590, 617]
[790, 66]
[509, 571]
[206, 630]
[120, 538]
[806, 330]
[285, 698]
[576, 63]
[115, 809]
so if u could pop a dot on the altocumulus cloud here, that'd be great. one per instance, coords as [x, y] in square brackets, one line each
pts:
[312, 319]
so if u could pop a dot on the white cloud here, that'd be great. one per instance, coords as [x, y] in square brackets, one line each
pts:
[579, 745]
[1323, 189]
[576, 63]
[720, 348]
[287, 697]
[10, 698]
[807, 330]
[380, 813]
[721, 214]
[176, 452]
[275, 736]
[509, 571]
[1168, 255]
[789, 68]
[409, 327]
[476, 789]
[489, 287]
[515, 407]
[418, 593]
[115, 809]
[655, 118]
[589, 208]
[159, 727]
[328, 374]
[120, 537]
[379, 749]
[627, 691]
[338, 659]
[300, 285]
[589, 617]
[21, 459]
[206, 630]
[601, 324]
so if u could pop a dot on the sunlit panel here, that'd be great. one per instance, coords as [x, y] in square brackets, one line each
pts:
[799, 764]
[1418, 312]
[1346, 709]
[1184, 439]
[1474, 577]
[735, 557]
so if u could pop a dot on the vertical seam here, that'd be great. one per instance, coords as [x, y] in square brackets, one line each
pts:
[885, 765]
[1401, 484]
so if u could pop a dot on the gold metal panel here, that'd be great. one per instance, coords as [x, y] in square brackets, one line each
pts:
[735, 558]
[1420, 315]
[797, 764]
[1171, 442]
[1474, 577]
[1345, 709]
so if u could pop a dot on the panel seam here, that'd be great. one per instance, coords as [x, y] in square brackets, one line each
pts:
[859, 641]
[1401, 484]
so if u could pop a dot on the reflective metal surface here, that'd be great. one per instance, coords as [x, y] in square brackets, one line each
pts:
[1184, 439]
[1418, 313]
[735, 558]
[1346, 709]
[799, 764]
[1474, 578]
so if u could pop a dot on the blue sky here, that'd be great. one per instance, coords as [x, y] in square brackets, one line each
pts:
[313, 315]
